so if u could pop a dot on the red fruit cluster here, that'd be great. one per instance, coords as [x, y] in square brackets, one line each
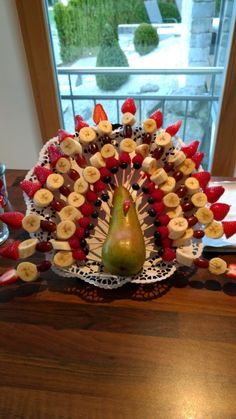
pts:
[128, 106]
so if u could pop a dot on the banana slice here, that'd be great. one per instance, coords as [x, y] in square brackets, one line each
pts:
[192, 185]
[177, 158]
[65, 229]
[91, 174]
[168, 185]
[31, 223]
[70, 146]
[27, 248]
[87, 135]
[164, 140]
[128, 145]
[184, 240]
[108, 151]
[43, 197]
[143, 149]
[217, 266]
[81, 186]
[63, 165]
[27, 271]
[184, 256]
[60, 245]
[54, 181]
[187, 167]
[63, 259]
[214, 230]
[177, 227]
[199, 199]
[149, 126]
[97, 160]
[175, 212]
[204, 215]
[159, 176]
[171, 200]
[149, 165]
[104, 128]
[69, 213]
[128, 119]
[76, 199]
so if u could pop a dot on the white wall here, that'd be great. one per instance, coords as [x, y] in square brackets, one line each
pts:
[20, 139]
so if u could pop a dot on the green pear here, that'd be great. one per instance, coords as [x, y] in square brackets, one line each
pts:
[123, 251]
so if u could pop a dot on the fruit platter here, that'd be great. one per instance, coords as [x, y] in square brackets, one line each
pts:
[117, 203]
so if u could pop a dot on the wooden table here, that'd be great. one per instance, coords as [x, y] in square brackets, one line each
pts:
[69, 350]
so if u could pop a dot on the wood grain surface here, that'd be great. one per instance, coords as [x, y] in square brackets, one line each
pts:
[69, 350]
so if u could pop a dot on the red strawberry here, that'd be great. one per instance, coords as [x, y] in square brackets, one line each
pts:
[62, 134]
[213, 193]
[159, 208]
[54, 153]
[80, 160]
[129, 106]
[74, 242]
[80, 232]
[229, 228]
[158, 118]
[86, 209]
[164, 231]
[203, 178]
[164, 219]
[157, 194]
[112, 162]
[30, 187]
[99, 186]
[12, 219]
[99, 114]
[78, 254]
[80, 123]
[219, 210]
[8, 277]
[91, 196]
[42, 173]
[173, 129]
[125, 157]
[168, 254]
[197, 158]
[166, 242]
[10, 250]
[190, 149]
[84, 222]
[231, 273]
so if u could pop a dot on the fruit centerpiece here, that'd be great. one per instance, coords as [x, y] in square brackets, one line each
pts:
[117, 203]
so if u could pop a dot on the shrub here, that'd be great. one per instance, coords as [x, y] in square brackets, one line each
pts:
[110, 55]
[145, 38]
[169, 11]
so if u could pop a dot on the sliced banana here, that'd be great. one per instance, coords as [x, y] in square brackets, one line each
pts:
[70, 146]
[214, 230]
[104, 127]
[171, 200]
[63, 259]
[187, 167]
[149, 126]
[184, 240]
[63, 165]
[87, 135]
[128, 119]
[149, 165]
[204, 215]
[108, 151]
[192, 185]
[54, 181]
[43, 197]
[81, 186]
[91, 174]
[31, 223]
[168, 185]
[76, 199]
[69, 212]
[217, 266]
[27, 248]
[177, 158]
[97, 160]
[184, 256]
[65, 230]
[159, 176]
[175, 212]
[128, 145]
[27, 271]
[142, 149]
[177, 227]
[60, 245]
[164, 140]
[199, 199]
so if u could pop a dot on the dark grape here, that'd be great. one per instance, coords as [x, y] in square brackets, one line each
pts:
[157, 222]
[48, 226]
[137, 165]
[106, 139]
[114, 169]
[90, 226]
[105, 197]
[107, 179]
[192, 220]
[181, 191]
[151, 212]
[151, 200]
[98, 203]
[123, 165]
[45, 265]
[57, 204]
[94, 214]
[178, 175]
[44, 246]
[187, 206]
[65, 190]
[198, 234]
[93, 148]
[135, 186]
[147, 139]
[73, 174]
[158, 152]
[168, 167]
[127, 131]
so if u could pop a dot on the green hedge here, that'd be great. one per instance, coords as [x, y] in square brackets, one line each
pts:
[169, 11]
[145, 38]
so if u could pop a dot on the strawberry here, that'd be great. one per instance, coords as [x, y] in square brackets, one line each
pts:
[30, 187]
[164, 219]
[42, 173]
[86, 209]
[164, 231]
[197, 158]
[158, 118]
[78, 254]
[190, 149]
[99, 186]
[74, 242]
[91, 196]
[12, 219]
[129, 106]
[10, 250]
[157, 194]
[168, 254]
[213, 193]
[8, 277]
[84, 222]
[229, 228]
[80, 123]
[99, 114]
[203, 178]
[80, 160]
[173, 129]
[62, 134]
[54, 153]
[231, 273]
[219, 210]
